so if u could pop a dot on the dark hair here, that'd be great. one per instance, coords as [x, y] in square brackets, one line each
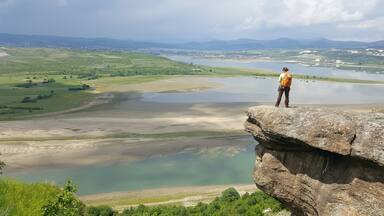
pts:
[285, 69]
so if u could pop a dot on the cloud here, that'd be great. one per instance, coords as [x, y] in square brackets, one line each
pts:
[293, 13]
[180, 20]
[376, 23]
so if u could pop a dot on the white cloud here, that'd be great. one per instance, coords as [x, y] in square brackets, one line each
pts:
[291, 13]
[192, 20]
[376, 23]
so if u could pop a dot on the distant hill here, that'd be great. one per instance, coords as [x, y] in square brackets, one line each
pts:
[72, 42]
[239, 44]
[282, 43]
[377, 44]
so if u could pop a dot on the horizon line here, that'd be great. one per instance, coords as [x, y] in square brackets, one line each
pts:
[191, 41]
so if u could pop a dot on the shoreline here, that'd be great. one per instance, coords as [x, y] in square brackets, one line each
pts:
[186, 196]
[174, 83]
[31, 143]
[256, 73]
[274, 60]
[97, 100]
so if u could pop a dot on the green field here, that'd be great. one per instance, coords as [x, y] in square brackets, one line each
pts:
[86, 64]
[26, 71]
[36, 81]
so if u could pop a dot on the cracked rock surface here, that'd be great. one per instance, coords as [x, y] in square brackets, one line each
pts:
[320, 161]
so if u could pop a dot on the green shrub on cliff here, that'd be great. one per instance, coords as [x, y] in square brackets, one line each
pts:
[100, 211]
[21, 199]
[230, 195]
[230, 203]
[38, 199]
[65, 203]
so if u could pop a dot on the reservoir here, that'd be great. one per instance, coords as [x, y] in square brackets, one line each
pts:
[212, 160]
[276, 66]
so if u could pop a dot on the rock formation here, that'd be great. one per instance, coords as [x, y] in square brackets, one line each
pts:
[320, 161]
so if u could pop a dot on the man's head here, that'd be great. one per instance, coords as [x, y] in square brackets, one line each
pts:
[285, 69]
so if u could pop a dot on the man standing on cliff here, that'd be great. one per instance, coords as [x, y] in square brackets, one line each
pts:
[285, 81]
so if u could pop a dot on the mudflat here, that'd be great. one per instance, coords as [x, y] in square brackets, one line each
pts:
[121, 122]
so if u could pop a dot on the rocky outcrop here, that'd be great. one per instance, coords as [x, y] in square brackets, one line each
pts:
[320, 161]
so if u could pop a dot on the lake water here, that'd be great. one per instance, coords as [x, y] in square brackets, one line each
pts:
[197, 167]
[180, 169]
[277, 66]
[264, 90]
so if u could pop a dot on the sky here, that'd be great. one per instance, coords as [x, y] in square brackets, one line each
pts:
[196, 20]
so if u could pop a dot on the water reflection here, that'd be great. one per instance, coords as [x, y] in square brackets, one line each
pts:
[207, 167]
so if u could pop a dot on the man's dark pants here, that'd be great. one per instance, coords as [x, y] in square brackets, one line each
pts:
[282, 90]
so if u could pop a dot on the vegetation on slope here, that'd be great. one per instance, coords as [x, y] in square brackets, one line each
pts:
[85, 64]
[20, 199]
[230, 203]
[17, 198]
[65, 203]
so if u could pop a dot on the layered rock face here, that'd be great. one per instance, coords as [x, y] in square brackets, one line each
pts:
[320, 161]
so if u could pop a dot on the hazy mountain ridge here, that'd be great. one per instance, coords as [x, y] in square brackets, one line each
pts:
[239, 44]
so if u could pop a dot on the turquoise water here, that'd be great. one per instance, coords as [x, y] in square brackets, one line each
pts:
[181, 169]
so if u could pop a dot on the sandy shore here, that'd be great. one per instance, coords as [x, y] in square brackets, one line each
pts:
[56, 154]
[186, 196]
[166, 84]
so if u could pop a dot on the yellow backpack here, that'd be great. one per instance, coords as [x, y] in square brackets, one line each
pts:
[286, 81]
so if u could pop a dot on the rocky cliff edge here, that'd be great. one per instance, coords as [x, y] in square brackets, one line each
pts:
[320, 161]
